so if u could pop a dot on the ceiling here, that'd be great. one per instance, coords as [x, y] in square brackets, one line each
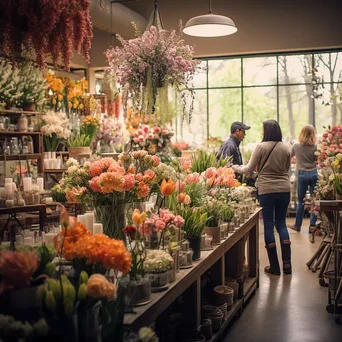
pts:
[263, 25]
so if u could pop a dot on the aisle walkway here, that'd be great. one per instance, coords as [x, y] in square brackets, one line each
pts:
[287, 308]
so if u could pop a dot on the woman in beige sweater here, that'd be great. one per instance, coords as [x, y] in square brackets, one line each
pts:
[272, 159]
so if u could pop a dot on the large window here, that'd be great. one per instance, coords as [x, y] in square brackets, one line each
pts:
[257, 88]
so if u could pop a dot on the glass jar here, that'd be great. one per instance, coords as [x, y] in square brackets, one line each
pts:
[22, 123]
[14, 146]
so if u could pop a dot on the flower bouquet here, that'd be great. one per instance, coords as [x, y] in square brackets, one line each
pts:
[55, 127]
[157, 264]
[10, 89]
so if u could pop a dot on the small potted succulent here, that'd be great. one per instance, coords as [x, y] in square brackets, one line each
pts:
[157, 264]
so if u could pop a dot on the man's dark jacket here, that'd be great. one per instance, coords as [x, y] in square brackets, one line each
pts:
[231, 148]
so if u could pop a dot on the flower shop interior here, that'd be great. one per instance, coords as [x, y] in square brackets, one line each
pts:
[120, 219]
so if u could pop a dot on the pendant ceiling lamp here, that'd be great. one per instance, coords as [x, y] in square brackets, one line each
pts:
[210, 25]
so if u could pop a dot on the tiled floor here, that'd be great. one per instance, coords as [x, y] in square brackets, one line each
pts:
[287, 308]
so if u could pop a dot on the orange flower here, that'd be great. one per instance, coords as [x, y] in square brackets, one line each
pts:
[138, 218]
[143, 190]
[181, 197]
[167, 187]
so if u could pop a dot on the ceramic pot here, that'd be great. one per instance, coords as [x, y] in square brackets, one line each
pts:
[215, 232]
[195, 245]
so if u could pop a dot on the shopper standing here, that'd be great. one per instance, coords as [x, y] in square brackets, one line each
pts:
[272, 158]
[231, 147]
[306, 172]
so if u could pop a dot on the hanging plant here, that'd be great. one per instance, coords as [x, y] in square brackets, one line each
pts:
[148, 65]
[45, 28]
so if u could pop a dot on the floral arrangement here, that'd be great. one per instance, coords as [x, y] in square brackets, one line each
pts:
[86, 133]
[33, 85]
[110, 133]
[240, 193]
[204, 160]
[223, 176]
[178, 147]
[329, 146]
[17, 269]
[151, 62]
[10, 91]
[157, 261]
[55, 127]
[152, 139]
[214, 209]
[55, 89]
[75, 90]
[92, 252]
[46, 28]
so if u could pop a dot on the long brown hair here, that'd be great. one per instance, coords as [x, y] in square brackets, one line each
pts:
[307, 135]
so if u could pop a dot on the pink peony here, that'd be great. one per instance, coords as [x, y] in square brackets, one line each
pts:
[94, 185]
[179, 221]
[160, 225]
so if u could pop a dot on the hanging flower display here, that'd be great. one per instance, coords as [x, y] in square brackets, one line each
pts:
[146, 66]
[46, 28]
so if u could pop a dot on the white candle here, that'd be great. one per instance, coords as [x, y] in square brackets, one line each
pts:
[97, 228]
[14, 187]
[27, 182]
[19, 239]
[8, 180]
[89, 221]
[8, 188]
[2, 192]
[40, 183]
[81, 219]
[28, 241]
[48, 200]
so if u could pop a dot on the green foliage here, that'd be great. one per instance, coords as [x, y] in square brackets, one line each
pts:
[45, 255]
[214, 211]
[227, 213]
[205, 160]
[197, 192]
[79, 140]
[195, 221]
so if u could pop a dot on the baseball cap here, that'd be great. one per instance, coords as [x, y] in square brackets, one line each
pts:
[238, 125]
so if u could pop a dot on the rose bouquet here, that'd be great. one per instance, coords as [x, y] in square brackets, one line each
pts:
[153, 139]
[55, 127]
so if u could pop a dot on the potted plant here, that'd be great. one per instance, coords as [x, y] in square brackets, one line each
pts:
[194, 223]
[214, 209]
[227, 215]
[33, 86]
[55, 126]
[157, 264]
[139, 285]
[79, 144]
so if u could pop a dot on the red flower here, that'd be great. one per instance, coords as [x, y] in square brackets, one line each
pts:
[130, 231]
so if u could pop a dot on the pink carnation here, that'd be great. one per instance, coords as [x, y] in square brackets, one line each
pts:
[179, 221]
[94, 185]
[160, 225]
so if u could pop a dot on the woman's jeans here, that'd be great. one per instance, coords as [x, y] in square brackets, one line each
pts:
[305, 179]
[274, 208]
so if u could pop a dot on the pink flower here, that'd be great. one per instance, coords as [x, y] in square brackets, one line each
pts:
[94, 185]
[156, 129]
[156, 160]
[129, 182]
[160, 225]
[146, 129]
[180, 186]
[211, 181]
[210, 173]
[179, 221]
[187, 199]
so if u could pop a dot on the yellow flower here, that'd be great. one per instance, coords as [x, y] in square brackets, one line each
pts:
[75, 105]
[137, 217]
[81, 106]
[60, 97]
[54, 101]
[69, 104]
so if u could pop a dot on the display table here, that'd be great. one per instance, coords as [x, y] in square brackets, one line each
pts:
[187, 282]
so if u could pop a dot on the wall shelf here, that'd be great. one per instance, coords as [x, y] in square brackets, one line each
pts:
[21, 156]
[7, 133]
[19, 112]
[54, 170]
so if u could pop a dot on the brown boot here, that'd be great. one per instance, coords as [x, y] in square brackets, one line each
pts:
[293, 227]
[286, 256]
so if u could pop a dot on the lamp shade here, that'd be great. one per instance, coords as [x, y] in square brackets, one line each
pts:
[210, 25]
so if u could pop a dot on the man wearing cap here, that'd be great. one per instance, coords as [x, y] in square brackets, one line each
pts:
[231, 146]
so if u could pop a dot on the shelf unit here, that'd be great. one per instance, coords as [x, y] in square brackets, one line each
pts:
[188, 283]
[37, 139]
[19, 112]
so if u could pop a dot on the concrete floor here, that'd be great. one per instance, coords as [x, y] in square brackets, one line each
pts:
[287, 308]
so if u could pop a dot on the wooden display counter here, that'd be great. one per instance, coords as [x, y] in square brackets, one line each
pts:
[188, 282]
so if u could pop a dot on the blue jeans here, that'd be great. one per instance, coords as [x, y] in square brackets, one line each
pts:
[305, 179]
[274, 208]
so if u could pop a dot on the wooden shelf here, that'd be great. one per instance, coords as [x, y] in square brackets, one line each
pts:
[147, 314]
[54, 170]
[16, 112]
[21, 156]
[7, 133]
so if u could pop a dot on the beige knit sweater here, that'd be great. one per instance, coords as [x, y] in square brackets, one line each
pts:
[274, 176]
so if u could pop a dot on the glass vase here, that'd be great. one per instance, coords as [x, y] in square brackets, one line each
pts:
[113, 219]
